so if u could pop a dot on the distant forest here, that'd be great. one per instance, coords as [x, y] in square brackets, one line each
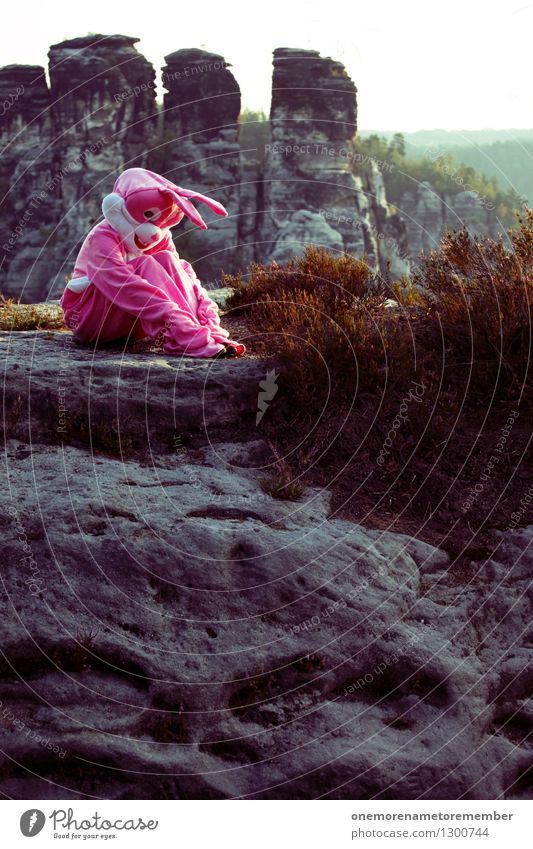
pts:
[510, 162]
[500, 171]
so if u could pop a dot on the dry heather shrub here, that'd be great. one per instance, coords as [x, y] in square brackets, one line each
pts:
[335, 280]
[283, 485]
[463, 330]
[324, 317]
[479, 296]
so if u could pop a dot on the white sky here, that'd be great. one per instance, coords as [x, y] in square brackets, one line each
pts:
[463, 64]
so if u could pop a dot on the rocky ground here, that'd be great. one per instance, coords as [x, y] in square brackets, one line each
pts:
[170, 630]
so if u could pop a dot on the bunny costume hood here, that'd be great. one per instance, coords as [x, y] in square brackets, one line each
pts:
[144, 205]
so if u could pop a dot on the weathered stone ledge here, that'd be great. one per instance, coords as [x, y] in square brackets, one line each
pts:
[58, 390]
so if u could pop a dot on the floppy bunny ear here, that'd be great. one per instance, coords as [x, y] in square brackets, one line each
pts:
[181, 197]
[212, 204]
[186, 207]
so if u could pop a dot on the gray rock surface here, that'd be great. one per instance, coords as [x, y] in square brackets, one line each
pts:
[170, 630]
[60, 389]
[427, 214]
[221, 296]
[304, 228]
[26, 166]
[390, 229]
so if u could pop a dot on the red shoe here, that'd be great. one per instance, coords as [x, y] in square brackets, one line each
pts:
[237, 347]
[231, 351]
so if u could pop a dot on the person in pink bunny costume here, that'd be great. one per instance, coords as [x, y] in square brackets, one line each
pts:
[129, 280]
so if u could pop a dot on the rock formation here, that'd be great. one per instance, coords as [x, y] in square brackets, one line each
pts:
[200, 148]
[28, 212]
[427, 214]
[65, 148]
[171, 631]
[312, 192]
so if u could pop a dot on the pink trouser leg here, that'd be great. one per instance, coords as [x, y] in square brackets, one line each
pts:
[183, 331]
[184, 286]
[94, 318]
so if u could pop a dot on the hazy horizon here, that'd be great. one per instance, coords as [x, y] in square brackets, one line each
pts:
[447, 130]
[406, 80]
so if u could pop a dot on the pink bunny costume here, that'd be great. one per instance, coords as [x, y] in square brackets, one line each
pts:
[129, 280]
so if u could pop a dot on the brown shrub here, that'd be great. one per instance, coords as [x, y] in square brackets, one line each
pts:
[324, 317]
[346, 363]
[479, 298]
[282, 484]
[334, 280]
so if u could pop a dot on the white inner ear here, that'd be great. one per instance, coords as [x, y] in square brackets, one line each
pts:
[118, 217]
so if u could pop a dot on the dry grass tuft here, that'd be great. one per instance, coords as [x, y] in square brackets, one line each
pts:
[15, 316]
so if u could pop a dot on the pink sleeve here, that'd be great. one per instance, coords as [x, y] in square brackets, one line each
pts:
[108, 271]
